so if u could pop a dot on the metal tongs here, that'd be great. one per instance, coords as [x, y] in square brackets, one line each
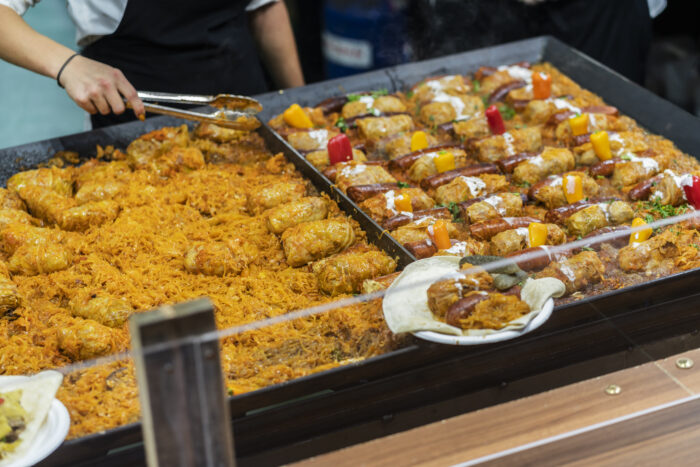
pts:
[231, 111]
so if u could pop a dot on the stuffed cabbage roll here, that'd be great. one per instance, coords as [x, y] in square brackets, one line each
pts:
[274, 195]
[346, 271]
[314, 240]
[288, 215]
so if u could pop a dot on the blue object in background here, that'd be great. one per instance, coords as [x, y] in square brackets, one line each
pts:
[33, 107]
[362, 35]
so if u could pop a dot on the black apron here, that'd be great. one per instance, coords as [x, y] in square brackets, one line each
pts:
[193, 47]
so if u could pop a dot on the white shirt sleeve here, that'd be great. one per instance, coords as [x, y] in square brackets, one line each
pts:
[20, 6]
[255, 4]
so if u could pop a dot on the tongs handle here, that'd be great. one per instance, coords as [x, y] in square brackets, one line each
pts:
[194, 99]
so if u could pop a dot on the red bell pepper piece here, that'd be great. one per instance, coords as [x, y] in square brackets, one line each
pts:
[339, 149]
[493, 116]
[692, 192]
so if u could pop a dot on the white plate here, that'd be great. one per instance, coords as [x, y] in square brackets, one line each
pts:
[497, 336]
[50, 435]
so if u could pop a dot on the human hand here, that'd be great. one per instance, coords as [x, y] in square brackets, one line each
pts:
[97, 87]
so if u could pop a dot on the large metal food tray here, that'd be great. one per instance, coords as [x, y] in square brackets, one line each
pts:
[424, 382]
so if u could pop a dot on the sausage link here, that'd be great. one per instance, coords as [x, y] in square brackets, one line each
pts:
[600, 109]
[359, 193]
[407, 160]
[503, 90]
[464, 307]
[560, 214]
[559, 117]
[582, 139]
[537, 261]
[642, 190]
[422, 249]
[332, 104]
[604, 168]
[434, 181]
[447, 127]
[487, 229]
[508, 164]
[397, 221]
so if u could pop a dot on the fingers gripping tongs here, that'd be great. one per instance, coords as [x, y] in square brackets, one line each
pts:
[230, 111]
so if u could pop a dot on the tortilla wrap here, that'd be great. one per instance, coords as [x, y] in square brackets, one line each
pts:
[406, 308]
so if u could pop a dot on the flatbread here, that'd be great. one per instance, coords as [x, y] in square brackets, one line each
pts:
[38, 392]
[405, 304]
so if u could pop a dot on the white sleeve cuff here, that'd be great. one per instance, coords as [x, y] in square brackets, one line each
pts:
[252, 5]
[20, 6]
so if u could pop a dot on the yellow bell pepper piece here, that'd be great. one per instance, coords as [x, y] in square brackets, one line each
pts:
[642, 235]
[296, 117]
[419, 141]
[579, 124]
[601, 145]
[573, 188]
[444, 161]
[403, 203]
[537, 234]
[439, 235]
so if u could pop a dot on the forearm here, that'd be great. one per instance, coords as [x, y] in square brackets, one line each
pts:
[273, 35]
[23, 46]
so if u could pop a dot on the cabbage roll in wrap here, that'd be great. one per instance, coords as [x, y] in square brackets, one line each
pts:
[314, 240]
[321, 160]
[346, 271]
[274, 195]
[424, 166]
[361, 174]
[551, 193]
[376, 128]
[447, 108]
[284, 216]
[431, 88]
[510, 241]
[42, 257]
[45, 204]
[92, 214]
[220, 258]
[550, 161]
[11, 200]
[9, 296]
[512, 142]
[495, 206]
[576, 272]
[106, 310]
[444, 293]
[52, 179]
[367, 104]
[465, 188]
[382, 206]
[312, 140]
[599, 215]
[81, 339]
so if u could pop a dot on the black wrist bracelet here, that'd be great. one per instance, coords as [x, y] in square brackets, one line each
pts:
[58, 76]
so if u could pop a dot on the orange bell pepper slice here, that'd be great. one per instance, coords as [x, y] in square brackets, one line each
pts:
[579, 124]
[601, 145]
[419, 141]
[296, 117]
[402, 202]
[444, 161]
[642, 235]
[537, 234]
[541, 85]
[573, 188]
[439, 235]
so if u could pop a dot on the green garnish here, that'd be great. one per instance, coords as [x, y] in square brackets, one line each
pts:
[599, 177]
[625, 157]
[341, 125]
[379, 93]
[476, 85]
[507, 112]
[409, 94]
[664, 210]
[649, 219]
[696, 246]
[524, 184]
[485, 100]
[403, 185]
[353, 97]
[587, 248]
[432, 118]
[578, 237]
[456, 213]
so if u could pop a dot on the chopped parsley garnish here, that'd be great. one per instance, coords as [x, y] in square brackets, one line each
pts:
[403, 185]
[524, 184]
[599, 177]
[625, 157]
[409, 94]
[485, 100]
[476, 85]
[696, 246]
[664, 210]
[353, 97]
[648, 218]
[454, 209]
[432, 118]
[587, 248]
[507, 112]
[379, 93]
[341, 125]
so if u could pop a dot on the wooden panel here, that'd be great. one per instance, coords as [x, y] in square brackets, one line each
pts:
[512, 424]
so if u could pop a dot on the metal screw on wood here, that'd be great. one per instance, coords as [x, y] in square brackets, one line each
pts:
[613, 390]
[685, 363]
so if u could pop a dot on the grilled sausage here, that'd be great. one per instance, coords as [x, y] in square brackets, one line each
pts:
[582, 139]
[402, 219]
[422, 249]
[642, 190]
[486, 230]
[539, 261]
[407, 160]
[503, 90]
[559, 215]
[359, 193]
[605, 168]
[559, 117]
[508, 164]
[464, 307]
[434, 181]
[484, 72]
[331, 171]
[332, 104]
